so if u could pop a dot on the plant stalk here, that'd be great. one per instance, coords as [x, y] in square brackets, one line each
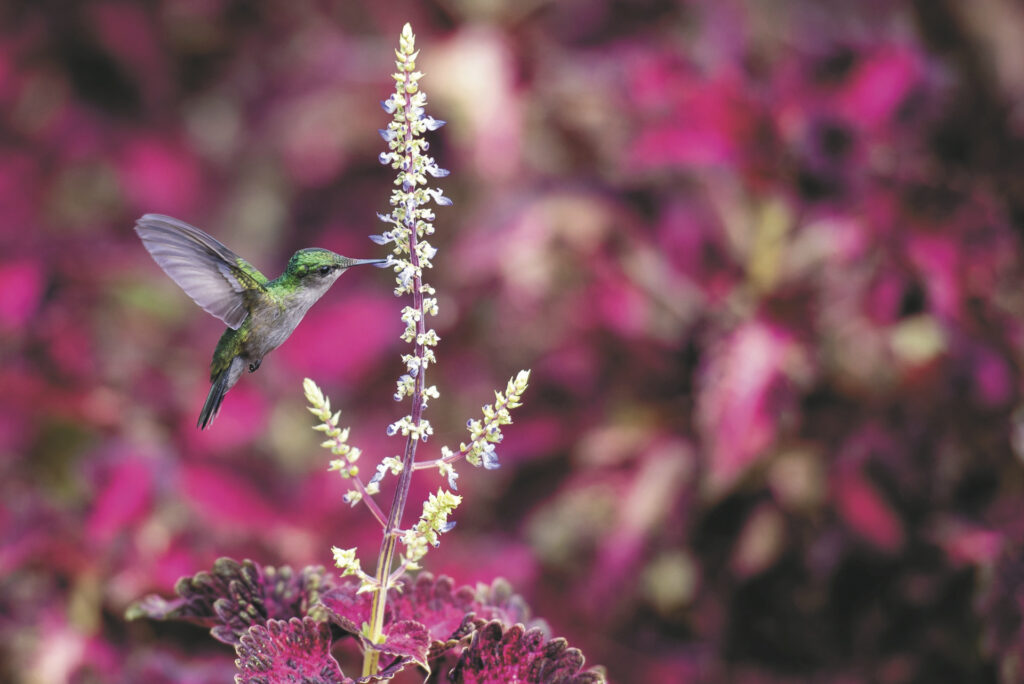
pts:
[371, 658]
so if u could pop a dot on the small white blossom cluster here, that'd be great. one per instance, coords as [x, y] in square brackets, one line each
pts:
[433, 521]
[486, 433]
[405, 427]
[348, 563]
[392, 463]
[406, 386]
[337, 439]
[346, 560]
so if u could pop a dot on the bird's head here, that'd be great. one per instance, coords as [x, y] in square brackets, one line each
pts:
[319, 268]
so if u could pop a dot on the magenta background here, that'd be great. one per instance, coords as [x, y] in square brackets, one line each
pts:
[764, 259]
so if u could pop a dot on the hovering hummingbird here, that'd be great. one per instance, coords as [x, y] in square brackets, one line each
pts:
[260, 313]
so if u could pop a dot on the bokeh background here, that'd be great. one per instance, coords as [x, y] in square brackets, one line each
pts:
[763, 257]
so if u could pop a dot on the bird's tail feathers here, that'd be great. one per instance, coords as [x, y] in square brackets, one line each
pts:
[219, 388]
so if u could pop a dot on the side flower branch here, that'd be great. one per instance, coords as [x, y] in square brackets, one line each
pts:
[337, 442]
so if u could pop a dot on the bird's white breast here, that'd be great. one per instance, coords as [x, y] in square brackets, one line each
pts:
[277, 320]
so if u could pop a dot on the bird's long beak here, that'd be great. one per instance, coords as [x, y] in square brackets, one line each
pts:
[379, 263]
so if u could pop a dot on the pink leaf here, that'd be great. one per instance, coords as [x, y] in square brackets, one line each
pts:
[347, 608]
[514, 654]
[407, 639]
[622, 308]
[866, 512]
[695, 121]
[234, 596]
[242, 418]
[880, 85]
[122, 499]
[971, 545]
[939, 257]
[343, 337]
[444, 614]
[737, 406]
[993, 378]
[159, 176]
[21, 288]
[225, 497]
[285, 652]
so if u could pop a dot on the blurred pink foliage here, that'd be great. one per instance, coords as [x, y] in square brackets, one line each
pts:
[741, 399]
[160, 175]
[764, 259]
[368, 326]
[21, 287]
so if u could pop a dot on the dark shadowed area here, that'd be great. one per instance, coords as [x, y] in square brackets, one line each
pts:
[764, 259]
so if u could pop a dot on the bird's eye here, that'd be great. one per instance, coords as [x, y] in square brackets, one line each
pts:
[324, 270]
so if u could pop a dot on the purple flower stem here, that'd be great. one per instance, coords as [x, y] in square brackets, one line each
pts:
[370, 503]
[387, 548]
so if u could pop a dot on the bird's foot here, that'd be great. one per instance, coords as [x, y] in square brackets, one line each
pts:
[254, 366]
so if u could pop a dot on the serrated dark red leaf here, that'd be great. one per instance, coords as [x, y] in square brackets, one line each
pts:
[234, 596]
[407, 639]
[346, 607]
[447, 613]
[515, 654]
[285, 652]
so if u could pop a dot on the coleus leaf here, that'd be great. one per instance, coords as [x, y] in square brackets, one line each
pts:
[500, 602]
[408, 639]
[515, 654]
[287, 651]
[346, 607]
[234, 596]
[447, 614]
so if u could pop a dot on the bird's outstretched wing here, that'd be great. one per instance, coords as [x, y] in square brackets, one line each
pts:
[217, 279]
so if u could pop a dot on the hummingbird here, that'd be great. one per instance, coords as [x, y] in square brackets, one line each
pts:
[260, 313]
